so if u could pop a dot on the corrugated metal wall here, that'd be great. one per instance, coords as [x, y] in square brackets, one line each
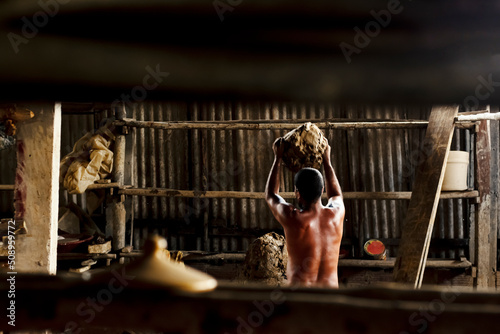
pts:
[73, 127]
[7, 176]
[364, 160]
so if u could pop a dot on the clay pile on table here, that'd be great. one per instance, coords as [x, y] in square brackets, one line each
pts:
[304, 147]
[266, 260]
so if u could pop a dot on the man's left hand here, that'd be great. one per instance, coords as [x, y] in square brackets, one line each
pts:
[278, 147]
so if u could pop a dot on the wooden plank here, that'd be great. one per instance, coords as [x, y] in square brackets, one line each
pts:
[100, 248]
[37, 189]
[84, 256]
[494, 145]
[96, 186]
[468, 113]
[361, 263]
[79, 270]
[390, 263]
[339, 124]
[162, 192]
[274, 125]
[85, 218]
[419, 222]
[484, 239]
[479, 117]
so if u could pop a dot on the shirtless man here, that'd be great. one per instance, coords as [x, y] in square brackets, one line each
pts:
[313, 232]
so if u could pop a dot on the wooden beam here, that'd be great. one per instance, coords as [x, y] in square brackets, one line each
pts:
[246, 309]
[164, 192]
[37, 189]
[479, 117]
[419, 222]
[484, 237]
[97, 186]
[339, 124]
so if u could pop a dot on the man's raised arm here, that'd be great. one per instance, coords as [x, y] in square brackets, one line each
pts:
[277, 204]
[333, 190]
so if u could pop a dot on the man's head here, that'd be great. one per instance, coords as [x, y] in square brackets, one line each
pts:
[309, 185]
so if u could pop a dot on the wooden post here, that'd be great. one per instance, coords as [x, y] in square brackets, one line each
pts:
[37, 189]
[115, 212]
[494, 144]
[130, 171]
[485, 239]
[419, 222]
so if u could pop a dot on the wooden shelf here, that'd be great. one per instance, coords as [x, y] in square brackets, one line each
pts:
[103, 186]
[84, 256]
[358, 263]
[78, 256]
[389, 263]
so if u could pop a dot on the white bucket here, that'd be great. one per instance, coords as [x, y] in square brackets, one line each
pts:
[455, 177]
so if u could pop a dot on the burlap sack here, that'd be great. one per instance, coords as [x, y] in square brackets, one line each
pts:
[304, 147]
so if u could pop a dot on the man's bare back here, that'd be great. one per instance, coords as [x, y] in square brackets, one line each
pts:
[314, 232]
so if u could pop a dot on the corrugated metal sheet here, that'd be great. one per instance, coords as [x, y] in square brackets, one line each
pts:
[7, 176]
[73, 127]
[364, 160]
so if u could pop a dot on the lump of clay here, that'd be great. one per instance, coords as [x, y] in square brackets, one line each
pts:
[304, 147]
[266, 260]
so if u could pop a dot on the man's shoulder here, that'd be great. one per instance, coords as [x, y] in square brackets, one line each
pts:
[334, 206]
[334, 211]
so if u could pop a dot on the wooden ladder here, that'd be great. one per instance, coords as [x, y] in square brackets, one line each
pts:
[419, 222]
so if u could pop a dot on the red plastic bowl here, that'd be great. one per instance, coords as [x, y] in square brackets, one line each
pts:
[69, 243]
